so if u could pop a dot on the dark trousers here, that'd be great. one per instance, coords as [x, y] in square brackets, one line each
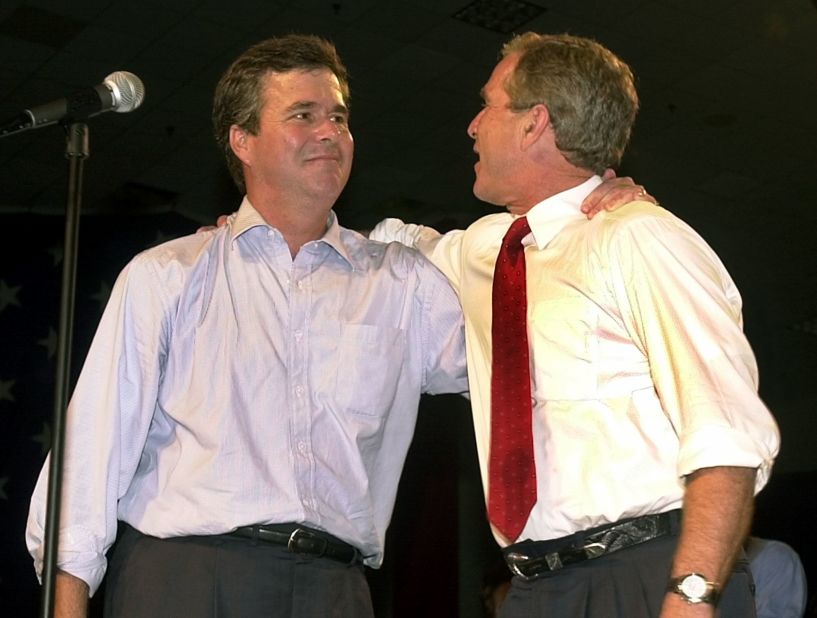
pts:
[228, 577]
[629, 583]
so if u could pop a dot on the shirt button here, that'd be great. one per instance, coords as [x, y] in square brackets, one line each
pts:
[299, 390]
[298, 334]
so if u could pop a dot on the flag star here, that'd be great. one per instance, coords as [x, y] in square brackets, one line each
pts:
[50, 343]
[5, 390]
[8, 295]
[102, 295]
[56, 252]
[43, 438]
[3, 481]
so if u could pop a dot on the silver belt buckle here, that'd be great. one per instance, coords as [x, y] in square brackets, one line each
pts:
[513, 560]
[300, 533]
[293, 538]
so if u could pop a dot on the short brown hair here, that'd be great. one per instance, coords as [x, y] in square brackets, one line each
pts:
[589, 92]
[239, 97]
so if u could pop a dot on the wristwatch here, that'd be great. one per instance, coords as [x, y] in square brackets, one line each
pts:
[694, 588]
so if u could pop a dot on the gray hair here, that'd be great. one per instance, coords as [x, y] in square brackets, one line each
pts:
[589, 92]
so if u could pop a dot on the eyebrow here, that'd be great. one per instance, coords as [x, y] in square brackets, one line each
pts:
[312, 105]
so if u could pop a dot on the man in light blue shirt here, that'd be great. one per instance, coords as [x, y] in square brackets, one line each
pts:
[249, 398]
[781, 589]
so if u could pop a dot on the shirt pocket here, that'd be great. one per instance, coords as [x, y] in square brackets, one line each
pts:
[564, 344]
[370, 362]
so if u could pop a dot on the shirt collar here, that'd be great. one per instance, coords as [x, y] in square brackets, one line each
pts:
[549, 216]
[247, 217]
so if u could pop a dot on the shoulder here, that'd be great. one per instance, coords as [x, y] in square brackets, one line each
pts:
[182, 250]
[367, 254]
[489, 224]
[169, 263]
[636, 216]
[395, 262]
[641, 225]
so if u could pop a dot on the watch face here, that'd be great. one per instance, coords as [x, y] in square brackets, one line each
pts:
[694, 586]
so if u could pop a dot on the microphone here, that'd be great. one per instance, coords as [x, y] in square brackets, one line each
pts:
[119, 92]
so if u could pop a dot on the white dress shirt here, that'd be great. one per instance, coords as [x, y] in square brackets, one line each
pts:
[641, 371]
[230, 385]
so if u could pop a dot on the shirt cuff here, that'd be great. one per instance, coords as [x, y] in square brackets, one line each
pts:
[719, 445]
[86, 565]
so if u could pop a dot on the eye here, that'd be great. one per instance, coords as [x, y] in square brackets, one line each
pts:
[302, 116]
[341, 119]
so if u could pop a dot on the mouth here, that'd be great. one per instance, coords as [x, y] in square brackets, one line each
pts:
[328, 154]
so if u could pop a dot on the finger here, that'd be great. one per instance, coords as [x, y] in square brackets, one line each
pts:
[643, 196]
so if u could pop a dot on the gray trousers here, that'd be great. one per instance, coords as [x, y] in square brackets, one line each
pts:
[629, 583]
[228, 577]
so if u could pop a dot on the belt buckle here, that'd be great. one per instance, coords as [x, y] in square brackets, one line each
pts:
[514, 561]
[300, 533]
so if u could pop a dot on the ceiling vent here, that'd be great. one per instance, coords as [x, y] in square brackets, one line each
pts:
[36, 25]
[503, 16]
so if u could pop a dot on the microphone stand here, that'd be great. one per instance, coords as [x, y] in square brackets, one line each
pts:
[76, 151]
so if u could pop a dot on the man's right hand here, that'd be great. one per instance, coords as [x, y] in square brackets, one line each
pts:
[220, 222]
[70, 596]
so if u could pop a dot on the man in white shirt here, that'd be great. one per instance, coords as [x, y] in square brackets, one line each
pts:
[648, 437]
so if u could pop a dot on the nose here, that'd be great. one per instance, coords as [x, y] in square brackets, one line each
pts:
[328, 129]
[472, 127]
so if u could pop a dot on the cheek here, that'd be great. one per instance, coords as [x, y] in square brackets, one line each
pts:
[347, 145]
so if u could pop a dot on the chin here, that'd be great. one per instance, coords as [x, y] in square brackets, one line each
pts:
[485, 196]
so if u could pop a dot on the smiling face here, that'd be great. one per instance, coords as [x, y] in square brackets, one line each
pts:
[303, 148]
[496, 131]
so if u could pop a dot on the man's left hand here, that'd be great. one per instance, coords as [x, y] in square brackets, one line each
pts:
[614, 192]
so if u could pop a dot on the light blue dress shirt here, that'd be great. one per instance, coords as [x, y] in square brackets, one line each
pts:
[230, 384]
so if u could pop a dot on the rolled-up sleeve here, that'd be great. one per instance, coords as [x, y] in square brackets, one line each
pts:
[684, 312]
[107, 423]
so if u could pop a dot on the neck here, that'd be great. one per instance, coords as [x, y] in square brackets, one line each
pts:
[547, 182]
[299, 221]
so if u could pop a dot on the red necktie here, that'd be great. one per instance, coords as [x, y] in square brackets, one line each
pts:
[511, 469]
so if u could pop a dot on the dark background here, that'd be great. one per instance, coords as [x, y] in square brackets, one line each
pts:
[725, 139]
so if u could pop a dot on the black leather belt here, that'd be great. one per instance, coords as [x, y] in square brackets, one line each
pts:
[529, 559]
[302, 540]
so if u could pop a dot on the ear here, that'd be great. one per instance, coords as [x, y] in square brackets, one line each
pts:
[535, 124]
[239, 143]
